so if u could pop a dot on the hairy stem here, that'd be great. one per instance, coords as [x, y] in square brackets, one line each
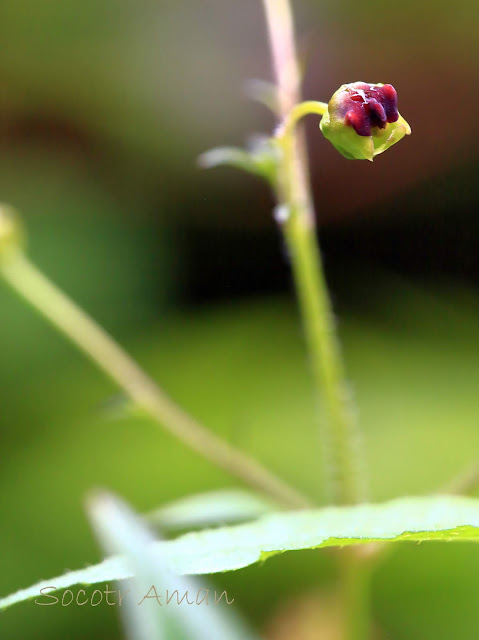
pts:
[344, 473]
[340, 440]
[88, 336]
[280, 24]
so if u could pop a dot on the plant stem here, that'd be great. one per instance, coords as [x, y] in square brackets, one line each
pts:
[280, 24]
[299, 111]
[339, 438]
[466, 483]
[355, 572]
[344, 473]
[88, 336]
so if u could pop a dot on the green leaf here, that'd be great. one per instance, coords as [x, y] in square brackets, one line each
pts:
[122, 531]
[211, 509]
[446, 518]
[260, 159]
[232, 156]
[266, 93]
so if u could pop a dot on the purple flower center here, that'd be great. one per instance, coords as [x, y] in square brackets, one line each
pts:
[368, 105]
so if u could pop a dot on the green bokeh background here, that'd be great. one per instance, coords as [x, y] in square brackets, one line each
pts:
[104, 107]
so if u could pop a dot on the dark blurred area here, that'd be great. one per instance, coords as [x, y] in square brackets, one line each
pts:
[104, 108]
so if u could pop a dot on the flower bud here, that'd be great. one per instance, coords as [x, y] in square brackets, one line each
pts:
[11, 232]
[362, 120]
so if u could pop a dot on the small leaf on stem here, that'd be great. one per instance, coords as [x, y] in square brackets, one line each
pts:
[260, 159]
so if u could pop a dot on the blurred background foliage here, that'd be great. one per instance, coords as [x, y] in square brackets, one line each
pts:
[104, 107]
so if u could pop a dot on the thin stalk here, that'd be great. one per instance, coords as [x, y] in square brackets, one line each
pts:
[340, 440]
[90, 338]
[300, 110]
[340, 430]
[280, 24]
[344, 472]
[355, 574]
[464, 484]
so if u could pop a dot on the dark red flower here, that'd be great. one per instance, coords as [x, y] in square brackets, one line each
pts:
[369, 105]
[366, 110]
